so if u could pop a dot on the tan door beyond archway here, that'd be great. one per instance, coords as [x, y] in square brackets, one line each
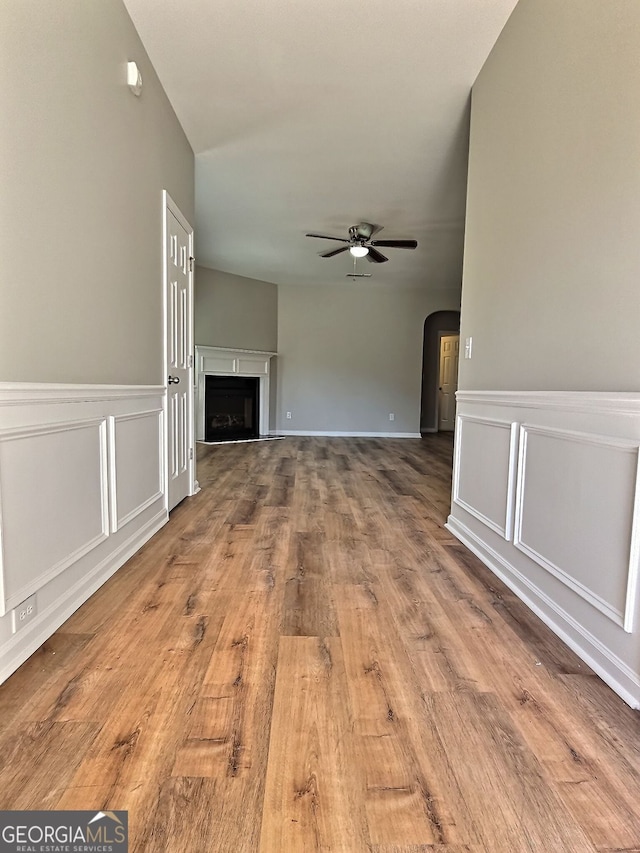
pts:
[449, 355]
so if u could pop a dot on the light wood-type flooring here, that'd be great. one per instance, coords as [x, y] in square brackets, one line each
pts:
[305, 660]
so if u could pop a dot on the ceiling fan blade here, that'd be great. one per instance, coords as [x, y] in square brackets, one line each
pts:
[366, 230]
[375, 256]
[327, 237]
[396, 244]
[334, 252]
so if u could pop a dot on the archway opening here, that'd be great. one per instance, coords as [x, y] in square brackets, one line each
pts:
[435, 325]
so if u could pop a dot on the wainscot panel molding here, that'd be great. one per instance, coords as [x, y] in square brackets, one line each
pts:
[483, 446]
[53, 481]
[81, 490]
[579, 468]
[546, 492]
[136, 476]
[220, 361]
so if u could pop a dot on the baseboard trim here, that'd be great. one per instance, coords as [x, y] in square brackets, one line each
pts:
[343, 434]
[608, 666]
[21, 646]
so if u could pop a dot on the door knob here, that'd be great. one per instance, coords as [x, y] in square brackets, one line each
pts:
[173, 380]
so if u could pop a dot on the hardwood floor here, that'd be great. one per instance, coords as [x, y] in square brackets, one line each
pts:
[304, 660]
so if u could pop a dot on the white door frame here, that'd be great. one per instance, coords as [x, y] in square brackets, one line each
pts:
[169, 205]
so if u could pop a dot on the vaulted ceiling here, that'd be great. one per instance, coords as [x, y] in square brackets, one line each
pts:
[315, 115]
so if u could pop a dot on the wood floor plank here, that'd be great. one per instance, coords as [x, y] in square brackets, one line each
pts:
[574, 753]
[232, 711]
[44, 667]
[56, 746]
[410, 794]
[570, 754]
[482, 588]
[423, 848]
[308, 601]
[107, 669]
[436, 647]
[313, 796]
[141, 739]
[494, 765]
[227, 735]
[616, 724]
[182, 810]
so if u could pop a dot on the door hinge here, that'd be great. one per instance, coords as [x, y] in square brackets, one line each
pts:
[192, 261]
[190, 361]
[191, 453]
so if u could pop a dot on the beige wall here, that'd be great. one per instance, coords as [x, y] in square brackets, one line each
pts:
[350, 355]
[551, 289]
[236, 312]
[84, 163]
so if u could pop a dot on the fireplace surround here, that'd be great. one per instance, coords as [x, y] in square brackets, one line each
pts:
[215, 363]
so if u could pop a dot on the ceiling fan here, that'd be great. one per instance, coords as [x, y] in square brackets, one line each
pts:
[360, 244]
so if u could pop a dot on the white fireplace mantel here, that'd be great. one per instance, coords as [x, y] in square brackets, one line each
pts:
[220, 361]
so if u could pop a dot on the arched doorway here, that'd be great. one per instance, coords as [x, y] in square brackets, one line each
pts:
[436, 324]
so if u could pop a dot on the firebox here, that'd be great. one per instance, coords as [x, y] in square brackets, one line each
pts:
[230, 408]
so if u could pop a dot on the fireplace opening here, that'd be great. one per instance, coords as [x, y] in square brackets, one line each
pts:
[230, 408]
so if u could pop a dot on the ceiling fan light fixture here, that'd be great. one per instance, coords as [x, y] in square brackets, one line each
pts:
[359, 251]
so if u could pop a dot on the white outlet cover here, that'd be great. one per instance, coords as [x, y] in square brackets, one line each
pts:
[28, 610]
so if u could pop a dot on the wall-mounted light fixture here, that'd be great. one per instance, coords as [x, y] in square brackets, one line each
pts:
[134, 78]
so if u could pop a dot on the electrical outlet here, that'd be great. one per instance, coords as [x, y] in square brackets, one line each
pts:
[392, 417]
[288, 416]
[24, 613]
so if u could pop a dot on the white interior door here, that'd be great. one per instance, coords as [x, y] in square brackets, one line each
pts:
[449, 355]
[179, 358]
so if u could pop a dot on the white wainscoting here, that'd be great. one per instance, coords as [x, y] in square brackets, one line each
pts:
[81, 489]
[546, 492]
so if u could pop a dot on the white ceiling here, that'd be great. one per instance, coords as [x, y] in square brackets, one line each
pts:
[314, 115]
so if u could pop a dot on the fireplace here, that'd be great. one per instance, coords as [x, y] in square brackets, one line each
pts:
[222, 363]
[231, 408]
